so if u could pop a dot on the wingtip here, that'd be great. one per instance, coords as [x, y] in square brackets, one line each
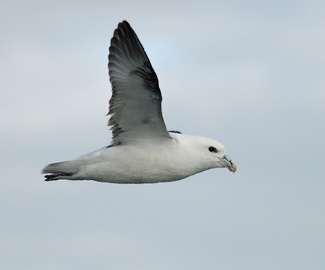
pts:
[125, 22]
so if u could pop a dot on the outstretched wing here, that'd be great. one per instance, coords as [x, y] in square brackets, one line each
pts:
[135, 105]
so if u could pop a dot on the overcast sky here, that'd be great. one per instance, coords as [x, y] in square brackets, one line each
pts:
[250, 74]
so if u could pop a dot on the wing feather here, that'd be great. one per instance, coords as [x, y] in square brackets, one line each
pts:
[135, 105]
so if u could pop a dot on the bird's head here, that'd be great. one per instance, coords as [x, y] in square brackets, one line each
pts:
[214, 154]
[207, 153]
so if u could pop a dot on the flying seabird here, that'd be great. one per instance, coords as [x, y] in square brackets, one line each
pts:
[142, 150]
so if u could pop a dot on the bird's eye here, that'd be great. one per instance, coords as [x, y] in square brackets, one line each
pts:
[213, 149]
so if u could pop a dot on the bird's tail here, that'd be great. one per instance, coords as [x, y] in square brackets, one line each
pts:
[60, 170]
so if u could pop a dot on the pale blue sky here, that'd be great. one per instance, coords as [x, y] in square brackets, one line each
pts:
[249, 74]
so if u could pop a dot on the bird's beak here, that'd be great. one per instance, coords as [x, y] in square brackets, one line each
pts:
[228, 163]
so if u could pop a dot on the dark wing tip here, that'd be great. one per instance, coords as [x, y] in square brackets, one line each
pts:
[126, 44]
[124, 23]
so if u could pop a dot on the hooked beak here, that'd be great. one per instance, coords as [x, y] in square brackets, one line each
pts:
[228, 163]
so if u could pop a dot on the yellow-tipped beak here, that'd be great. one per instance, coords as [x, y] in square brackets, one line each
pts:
[226, 161]
[233, 168]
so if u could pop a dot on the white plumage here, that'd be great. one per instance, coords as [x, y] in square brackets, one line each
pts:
[142, 150]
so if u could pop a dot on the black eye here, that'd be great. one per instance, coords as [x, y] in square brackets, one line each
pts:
[213, 149]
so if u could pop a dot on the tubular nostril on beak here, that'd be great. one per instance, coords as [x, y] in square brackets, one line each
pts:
[229, 164]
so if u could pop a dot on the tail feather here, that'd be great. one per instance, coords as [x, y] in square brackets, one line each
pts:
[56, 176]
[60, 170]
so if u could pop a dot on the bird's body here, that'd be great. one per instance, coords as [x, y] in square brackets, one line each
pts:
[165, 161]
[142, 151]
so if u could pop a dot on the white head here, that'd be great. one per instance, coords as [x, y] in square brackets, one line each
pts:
[214, 153]
[209, 153]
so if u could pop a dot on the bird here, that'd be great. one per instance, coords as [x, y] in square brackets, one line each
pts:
[141, 150]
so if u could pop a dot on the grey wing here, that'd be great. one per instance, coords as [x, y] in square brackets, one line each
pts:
[135, 105]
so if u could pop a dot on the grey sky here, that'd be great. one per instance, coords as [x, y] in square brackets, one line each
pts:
[249, 74]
